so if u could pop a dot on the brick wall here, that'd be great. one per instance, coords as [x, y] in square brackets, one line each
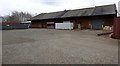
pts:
[84, 21]
[108, 21]
[38, 24]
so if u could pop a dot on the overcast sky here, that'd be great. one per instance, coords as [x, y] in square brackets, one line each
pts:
[46, 6]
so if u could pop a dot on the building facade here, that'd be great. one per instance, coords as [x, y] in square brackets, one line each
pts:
[87, 18]
[1, 19]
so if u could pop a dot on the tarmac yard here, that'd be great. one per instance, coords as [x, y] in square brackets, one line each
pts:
[44, 46]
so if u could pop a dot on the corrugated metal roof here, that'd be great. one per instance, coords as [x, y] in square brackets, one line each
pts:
[80, 12]
[71, 13]
[103, 10]
[98, 10]
[49, 15]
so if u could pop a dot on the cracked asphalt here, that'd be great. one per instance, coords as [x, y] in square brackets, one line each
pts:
[46, 46]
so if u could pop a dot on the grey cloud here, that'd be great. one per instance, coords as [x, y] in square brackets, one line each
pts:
[47, 2]
[51, 3]
[42, 6]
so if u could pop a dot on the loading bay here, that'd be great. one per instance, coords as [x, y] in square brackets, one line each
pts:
[46, 46]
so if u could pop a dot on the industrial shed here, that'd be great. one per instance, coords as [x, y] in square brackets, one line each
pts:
[88, 18]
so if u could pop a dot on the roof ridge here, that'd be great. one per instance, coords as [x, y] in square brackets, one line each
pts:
[82, 8]
[53, 12]
[104, 5]
[68, 10]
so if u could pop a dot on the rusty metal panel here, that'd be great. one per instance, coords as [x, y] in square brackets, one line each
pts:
[117, 27]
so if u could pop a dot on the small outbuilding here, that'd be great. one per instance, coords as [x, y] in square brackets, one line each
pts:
[88, 18]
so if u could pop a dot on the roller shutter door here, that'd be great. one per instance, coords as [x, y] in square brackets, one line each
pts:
[97, 24]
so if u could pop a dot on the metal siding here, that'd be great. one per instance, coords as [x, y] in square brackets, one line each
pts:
[14, 26]
[4, 26]
[117, 27]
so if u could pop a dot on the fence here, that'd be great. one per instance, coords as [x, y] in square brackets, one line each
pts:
[9, 26]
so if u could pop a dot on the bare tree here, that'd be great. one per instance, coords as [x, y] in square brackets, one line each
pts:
[18, 17]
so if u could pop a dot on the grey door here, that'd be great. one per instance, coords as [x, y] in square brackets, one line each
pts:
[97, 23]
[42, 25]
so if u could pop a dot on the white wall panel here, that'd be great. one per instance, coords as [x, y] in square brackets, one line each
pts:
[63, 25]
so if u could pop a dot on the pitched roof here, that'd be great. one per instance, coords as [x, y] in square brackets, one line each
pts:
[104, 10]
[49, 15]
[98, 10]
[79, 12]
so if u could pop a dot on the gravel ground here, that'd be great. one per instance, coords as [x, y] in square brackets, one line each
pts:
[42, 46]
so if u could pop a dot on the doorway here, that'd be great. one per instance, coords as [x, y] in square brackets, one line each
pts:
[42, 25]
[97, 23]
